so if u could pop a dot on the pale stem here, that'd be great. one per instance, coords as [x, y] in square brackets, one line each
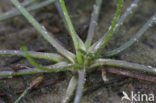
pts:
[81, 82]
[122, 64]
[70, 90]
[129, 11]
[44, 32]
[72, 32]
[15, 12]
[98, 47]
[93, 22]
[41, 55]
[62, 66]
[23, 94]
[135, 38]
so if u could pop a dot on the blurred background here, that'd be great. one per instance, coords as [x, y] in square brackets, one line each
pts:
[16, 31]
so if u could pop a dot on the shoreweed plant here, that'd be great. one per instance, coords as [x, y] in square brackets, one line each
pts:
[87, 54]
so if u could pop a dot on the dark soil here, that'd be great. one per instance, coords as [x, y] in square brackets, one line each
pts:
[17, 31]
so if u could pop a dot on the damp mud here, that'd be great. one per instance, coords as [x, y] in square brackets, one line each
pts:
[17, 31]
